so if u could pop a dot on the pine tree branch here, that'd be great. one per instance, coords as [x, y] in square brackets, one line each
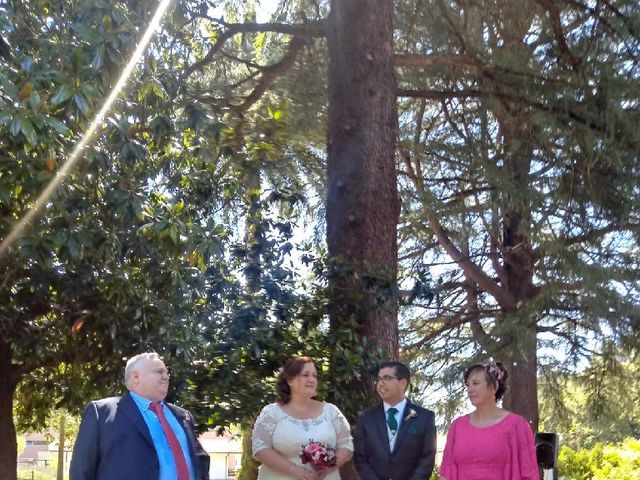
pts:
[459, 60]
[596, 234]
[567, 113]
[438, 94]
[556, 25]
[628, 21]
[448, 323]
[306, 30]
[477, 330]
[471, 270]
[272, 72]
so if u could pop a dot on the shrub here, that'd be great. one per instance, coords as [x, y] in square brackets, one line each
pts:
[619, 461]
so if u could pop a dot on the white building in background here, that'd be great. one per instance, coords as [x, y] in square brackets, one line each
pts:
[225, 452]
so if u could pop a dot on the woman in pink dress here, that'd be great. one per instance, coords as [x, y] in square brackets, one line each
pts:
[489, 443]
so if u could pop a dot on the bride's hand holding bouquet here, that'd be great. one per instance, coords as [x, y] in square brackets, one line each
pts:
[320, 457]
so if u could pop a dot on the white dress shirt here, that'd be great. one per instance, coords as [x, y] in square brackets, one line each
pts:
[400, 407]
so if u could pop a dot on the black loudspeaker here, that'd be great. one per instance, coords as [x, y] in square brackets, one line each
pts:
[547, 449]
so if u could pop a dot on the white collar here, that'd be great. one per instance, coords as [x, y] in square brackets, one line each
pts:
[399, 406]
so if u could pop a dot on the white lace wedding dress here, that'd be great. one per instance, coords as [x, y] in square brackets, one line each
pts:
[287, 435]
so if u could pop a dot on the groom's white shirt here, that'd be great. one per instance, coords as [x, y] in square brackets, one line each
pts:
[400, 407]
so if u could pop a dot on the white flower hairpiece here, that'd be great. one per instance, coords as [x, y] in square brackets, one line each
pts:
[494, 370]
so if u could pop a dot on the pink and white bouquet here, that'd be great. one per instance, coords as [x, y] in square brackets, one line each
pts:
[318, 455]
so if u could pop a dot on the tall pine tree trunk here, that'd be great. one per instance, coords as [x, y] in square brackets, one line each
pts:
[8, 444]
[362, 198]
[519, 258]
[522, 396]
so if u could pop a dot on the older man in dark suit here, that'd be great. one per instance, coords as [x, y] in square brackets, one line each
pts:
[138, 436]
[395, 439]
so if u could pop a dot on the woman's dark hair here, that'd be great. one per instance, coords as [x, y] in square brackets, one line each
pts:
[494, 372]
[288, 372]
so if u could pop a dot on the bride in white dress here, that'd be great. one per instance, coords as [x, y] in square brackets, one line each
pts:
[284, 427]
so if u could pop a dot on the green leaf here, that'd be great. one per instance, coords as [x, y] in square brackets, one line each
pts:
[62, 95]
[37, 119]
[57, 125]
[27, 129]
[259, 42]
[5, 195]
[15, 126]
[88, 34]
[44, 176]
[81, 102]
[173, 234]
[98, 58]
[34, 101]
[158, 90]
[74, 248]
[27, 64]
[89, 91]
[8, 87]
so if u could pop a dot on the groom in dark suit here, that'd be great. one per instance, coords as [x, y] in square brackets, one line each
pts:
[138, 436]
[395, 439]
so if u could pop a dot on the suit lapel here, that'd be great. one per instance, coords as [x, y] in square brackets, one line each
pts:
[177, 413]
[381, 427]
[184, 423]
[130, 410]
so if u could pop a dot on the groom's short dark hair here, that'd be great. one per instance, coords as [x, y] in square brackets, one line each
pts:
[402, 371]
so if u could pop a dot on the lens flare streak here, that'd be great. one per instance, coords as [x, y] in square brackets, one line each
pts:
[74, 156]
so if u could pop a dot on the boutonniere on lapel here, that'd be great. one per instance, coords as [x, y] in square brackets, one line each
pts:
[412, 414]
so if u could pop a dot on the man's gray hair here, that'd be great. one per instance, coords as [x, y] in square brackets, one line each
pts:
[133, 362]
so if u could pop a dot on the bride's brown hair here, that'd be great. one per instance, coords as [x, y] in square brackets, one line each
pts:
[291, 370]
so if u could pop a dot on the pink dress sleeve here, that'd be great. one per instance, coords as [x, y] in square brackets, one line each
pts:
[524, 463]
[448, 469]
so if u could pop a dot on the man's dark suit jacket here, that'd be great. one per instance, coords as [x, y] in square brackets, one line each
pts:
[413, 456]
[114, 443]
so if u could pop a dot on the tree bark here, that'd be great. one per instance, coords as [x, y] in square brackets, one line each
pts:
[522, 396]
[518, 266]
[518, 336]
[248, 465]
[362, 198]
[8, 384]
[61, 442]
[253, 273]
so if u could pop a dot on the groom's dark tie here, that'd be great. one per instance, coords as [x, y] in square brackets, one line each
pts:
[391, 419]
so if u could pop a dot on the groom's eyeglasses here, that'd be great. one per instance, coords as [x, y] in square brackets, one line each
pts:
[384, 379]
